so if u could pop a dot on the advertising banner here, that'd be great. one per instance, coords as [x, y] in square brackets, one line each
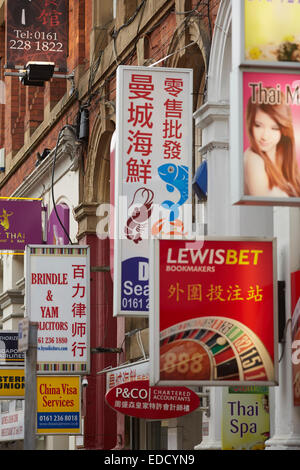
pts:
[58, 298]
[37, 30]
[153, 174]
[12, 383]
[245, 418]
[266, 33]
[16, 231]
[272, 31]
[265, 154]
[58, 405]
[9, 353]
[295, 309]
[214, 308]
[12, 424]
[138, 399]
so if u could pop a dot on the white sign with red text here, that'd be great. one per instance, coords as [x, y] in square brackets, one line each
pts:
[58, 298]
[153, 167]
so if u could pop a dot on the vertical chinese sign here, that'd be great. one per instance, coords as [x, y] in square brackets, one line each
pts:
[37, 30]
[153, 174]
[213, 312]
[58, 298]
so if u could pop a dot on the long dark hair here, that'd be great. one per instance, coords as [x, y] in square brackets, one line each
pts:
[285, 174]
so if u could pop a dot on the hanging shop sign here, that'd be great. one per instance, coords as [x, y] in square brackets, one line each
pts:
[16, 231]
[153, 174]
[58, 404]
[138, 399]
[58, 298]
[265, 129]
[12, 383]
[126, 373]
[266, 32]
[9, 352]
[295, 309]
[213, 314]
[245, 418]
[12, 423]
[37, 30]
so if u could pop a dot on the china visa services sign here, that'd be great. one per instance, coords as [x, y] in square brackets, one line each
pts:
[152, 174]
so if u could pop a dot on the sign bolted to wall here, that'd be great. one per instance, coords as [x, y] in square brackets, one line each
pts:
[37, 30]
[245, 418]
[138, 399]
[265, 128]
[17, 231]
[57, 297]
[58, 404]
[12, 383]
[153, 174]
[9, 352]
[213, 312]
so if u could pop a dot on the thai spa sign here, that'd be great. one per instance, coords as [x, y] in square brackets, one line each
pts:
[213, 314]
[57, 297]
[153, 174]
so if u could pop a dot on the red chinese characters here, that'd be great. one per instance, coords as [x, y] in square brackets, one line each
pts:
[79, 311]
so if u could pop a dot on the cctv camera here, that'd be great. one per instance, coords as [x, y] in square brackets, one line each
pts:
[84, 382]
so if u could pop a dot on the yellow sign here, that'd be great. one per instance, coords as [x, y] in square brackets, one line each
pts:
[245, 420]
[58, 405]
[272, 30]
[12, 383]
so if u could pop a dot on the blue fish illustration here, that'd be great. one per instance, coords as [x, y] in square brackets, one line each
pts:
[176, 177]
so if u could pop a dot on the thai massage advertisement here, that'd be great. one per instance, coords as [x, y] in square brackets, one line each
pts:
[271, 137]
[153, 189]
[272, 30]
[215, 314]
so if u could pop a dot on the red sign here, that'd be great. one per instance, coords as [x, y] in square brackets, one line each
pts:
[217, 311]
[139, 400]
[37, 30]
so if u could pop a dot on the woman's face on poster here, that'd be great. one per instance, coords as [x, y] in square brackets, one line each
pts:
[266, 132]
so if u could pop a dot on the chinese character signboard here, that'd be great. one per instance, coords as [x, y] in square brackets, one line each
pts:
[127, 373]
[265, 152]
[138, 399]
[266, 32]
[57, 297]
[213, 312]
[37, 30]
[9, 353]
[12, 424]
[245, 419]
[153, 173]
[16, 231]
[58, 405]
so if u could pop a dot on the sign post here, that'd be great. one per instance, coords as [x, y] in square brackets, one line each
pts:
[30, 389]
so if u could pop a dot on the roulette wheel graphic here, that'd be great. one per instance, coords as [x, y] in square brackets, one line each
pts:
[213, 349]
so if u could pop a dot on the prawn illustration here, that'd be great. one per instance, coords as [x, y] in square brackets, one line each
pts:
[176, 177]
[4, 219]
[140, 214]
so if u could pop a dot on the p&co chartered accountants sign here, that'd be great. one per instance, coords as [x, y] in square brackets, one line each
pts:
[58, 299]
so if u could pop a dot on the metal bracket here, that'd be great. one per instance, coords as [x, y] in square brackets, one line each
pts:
[99, 349]
[205, 402]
